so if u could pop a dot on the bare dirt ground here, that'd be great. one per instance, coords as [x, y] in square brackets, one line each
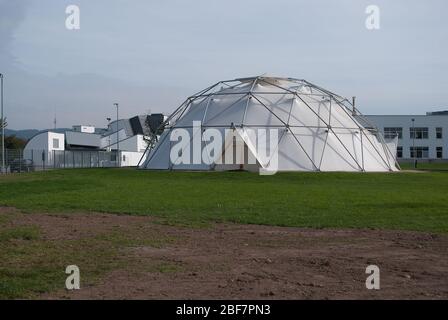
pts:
[230, 261]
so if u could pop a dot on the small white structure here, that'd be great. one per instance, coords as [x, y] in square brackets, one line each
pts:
[41, 147]
[84, 129]
[317, 130]
[426, 134]
[129, 136]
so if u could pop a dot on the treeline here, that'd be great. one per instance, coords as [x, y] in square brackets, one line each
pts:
[12, 142]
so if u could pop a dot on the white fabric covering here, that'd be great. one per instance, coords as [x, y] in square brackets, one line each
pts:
[316, 128]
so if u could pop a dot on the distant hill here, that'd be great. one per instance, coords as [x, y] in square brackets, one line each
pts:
[26, 134]
[22, 134]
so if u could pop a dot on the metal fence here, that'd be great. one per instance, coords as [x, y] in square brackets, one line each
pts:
[37, 160]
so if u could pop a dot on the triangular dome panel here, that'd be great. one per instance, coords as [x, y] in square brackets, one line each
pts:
[315, 129]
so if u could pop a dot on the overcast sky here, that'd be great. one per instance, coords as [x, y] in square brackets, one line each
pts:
[150, 55]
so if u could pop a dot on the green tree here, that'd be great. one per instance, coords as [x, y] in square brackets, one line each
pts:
[12, 142]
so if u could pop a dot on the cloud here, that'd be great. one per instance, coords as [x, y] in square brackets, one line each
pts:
[12, 14]
[33, 100]
[152, 54]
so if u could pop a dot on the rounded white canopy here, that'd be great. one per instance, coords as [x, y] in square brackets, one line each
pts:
[317, 129]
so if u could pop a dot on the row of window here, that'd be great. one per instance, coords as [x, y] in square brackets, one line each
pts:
[414, 132]
[420, 152]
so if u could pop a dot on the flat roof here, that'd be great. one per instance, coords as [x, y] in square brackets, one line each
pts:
[404, 115]
[428, 113]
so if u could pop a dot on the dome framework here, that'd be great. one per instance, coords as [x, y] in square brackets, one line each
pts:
[318, 129]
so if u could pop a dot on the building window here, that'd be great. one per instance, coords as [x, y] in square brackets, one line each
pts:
[399, 152]
[419, 152]
[439, 152]
[55, 143]
[439, 133]
[418, 133]
[392, 132]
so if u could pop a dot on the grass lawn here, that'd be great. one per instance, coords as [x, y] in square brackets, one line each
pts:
[410, 201]
[33, 263]
[425, 166]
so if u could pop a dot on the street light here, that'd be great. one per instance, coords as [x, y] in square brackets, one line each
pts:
[413, 144]
[108, 128]
[3, 124]
[118, 140]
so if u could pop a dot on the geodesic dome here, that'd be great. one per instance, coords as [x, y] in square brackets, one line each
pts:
[317, 129]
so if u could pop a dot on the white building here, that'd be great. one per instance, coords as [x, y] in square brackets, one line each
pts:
[129, 136]
[42, 146]
[427, 135]
[86, 129]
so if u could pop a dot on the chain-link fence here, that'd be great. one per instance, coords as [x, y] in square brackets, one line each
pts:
[37, 160]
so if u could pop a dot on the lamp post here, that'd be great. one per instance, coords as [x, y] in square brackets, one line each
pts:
[414, 155]
[3, 123]
[118, 140]
[108, 128]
